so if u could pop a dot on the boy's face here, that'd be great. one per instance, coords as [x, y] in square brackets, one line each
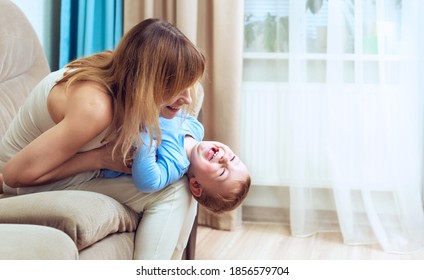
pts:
[215, 166]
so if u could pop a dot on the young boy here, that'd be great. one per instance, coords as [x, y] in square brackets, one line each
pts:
[218, 179]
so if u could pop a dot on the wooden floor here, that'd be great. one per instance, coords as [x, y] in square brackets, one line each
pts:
[256, 241]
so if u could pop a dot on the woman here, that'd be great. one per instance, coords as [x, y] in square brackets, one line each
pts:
[95, 107]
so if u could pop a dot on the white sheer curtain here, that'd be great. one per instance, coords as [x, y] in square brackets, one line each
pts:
[335, 113]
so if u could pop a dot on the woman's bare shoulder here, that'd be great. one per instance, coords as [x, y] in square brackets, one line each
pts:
[90, 101]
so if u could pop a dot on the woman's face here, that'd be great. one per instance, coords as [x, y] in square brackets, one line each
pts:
[171, 108]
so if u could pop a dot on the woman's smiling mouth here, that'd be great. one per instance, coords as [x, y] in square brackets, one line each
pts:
[172, 108]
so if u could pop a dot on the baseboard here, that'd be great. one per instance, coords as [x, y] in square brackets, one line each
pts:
[265, 214]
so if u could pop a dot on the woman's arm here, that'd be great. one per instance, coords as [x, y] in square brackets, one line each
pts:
[100, 158]
[54, 154]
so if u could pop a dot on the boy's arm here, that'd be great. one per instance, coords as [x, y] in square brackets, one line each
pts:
[149, 174]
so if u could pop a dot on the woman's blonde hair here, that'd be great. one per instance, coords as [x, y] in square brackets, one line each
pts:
[151, 65]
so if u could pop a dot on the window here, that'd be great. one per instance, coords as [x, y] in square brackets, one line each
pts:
[297, 55]
[279, 33]
[333, 116]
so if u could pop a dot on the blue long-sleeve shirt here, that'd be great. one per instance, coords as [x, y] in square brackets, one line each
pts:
[149, 174]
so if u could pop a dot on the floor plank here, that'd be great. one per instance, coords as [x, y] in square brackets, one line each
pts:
[257, 241]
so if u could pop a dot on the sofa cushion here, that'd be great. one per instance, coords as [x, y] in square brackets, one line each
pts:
[118, 246]
[86, 217]
[30, 242]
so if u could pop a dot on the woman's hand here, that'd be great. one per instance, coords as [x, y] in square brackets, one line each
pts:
[115, 162]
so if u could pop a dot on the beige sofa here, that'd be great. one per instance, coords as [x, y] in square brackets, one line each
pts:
[58, 224]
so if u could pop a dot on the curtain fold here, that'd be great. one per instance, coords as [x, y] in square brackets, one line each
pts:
[87, 27]
[216, 27]
[349, 143]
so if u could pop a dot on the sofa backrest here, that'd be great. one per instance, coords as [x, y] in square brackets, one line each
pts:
[23, 62]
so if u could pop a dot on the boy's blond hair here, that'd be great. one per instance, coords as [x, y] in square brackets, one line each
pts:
[218, 203]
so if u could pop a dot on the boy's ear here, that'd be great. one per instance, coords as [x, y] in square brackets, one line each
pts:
[195, 187]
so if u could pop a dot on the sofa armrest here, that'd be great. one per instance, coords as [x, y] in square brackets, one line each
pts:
[33, 242]
[86, 217]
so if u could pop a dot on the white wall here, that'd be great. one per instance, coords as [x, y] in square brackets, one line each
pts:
[35, 11]
[44, 15]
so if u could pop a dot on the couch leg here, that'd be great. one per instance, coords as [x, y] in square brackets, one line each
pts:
[189, 253]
